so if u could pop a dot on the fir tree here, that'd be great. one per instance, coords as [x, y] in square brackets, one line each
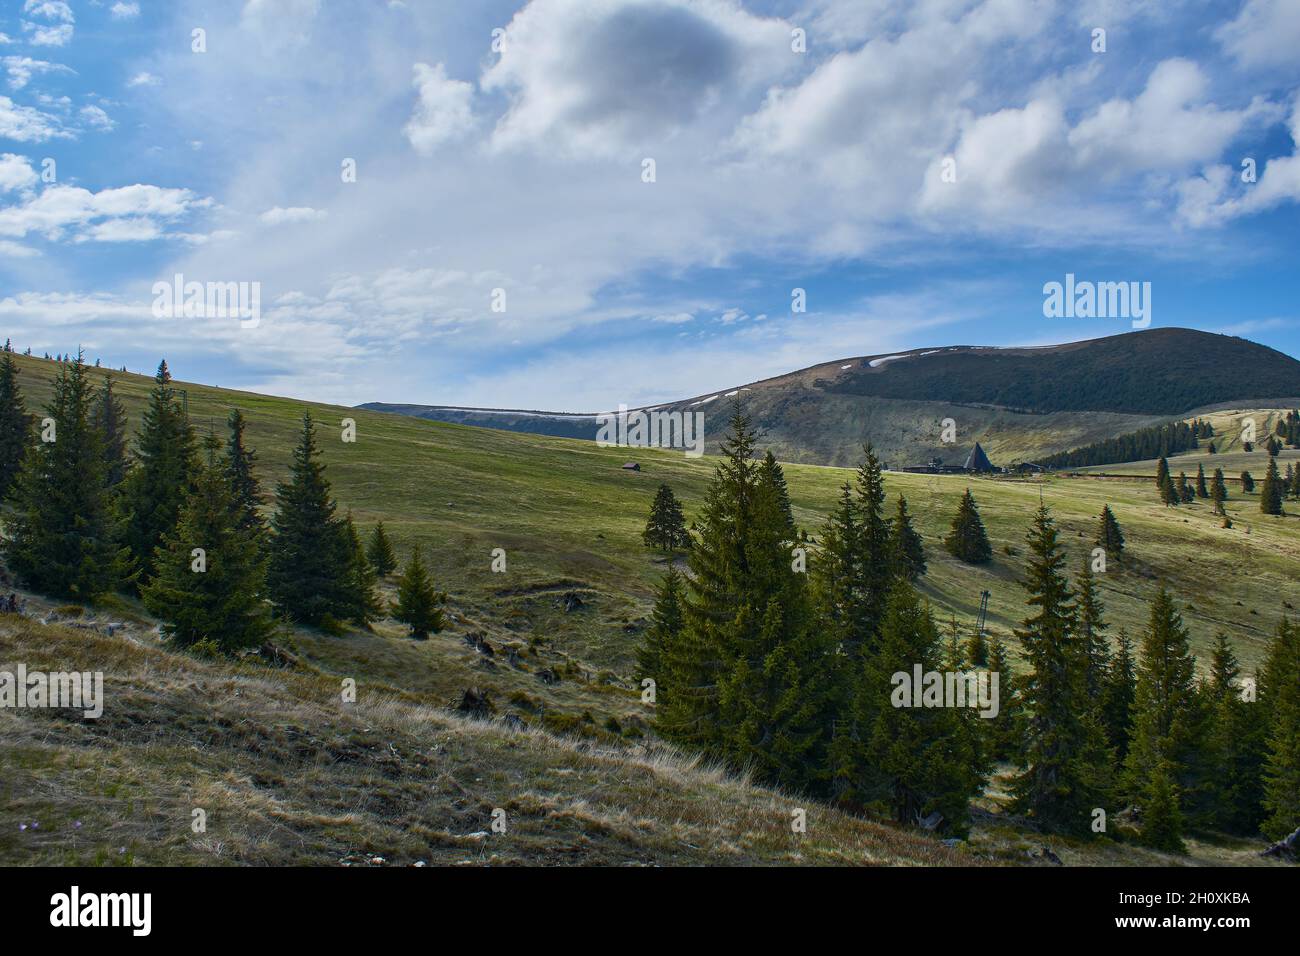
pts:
[363, 604]
[666, 527]
[109, 419]
[311, 561]
[1092, 631]
[1219, 492]
[905, 543]
[1280, 692]
[15, 423]
[1065, 758]
[1117, 697]
[925, 759]
[1005, 732]
[1270, 493]
[1162, 818]
[210, 584]
[1186, 493]
[665, 628]
[163, 474]
[1233, 748]
[380, 552]
[419, 605]
[1109, 535]
[967, 541]
[62, 536]
[1247, 483]
[1165, 484]
[1201, 490]
[1166, 716]
[246, 491]
[770, 472]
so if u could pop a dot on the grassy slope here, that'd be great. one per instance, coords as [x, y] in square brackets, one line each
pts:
[570, 521]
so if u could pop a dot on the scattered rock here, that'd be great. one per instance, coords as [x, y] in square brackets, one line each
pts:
[1287, 848]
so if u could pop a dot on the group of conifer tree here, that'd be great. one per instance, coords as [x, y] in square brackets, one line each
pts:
[177, 520]
[790, 674]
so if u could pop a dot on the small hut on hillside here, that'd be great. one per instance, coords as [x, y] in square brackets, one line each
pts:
[977, 463]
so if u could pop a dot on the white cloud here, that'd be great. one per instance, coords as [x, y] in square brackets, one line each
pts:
[96, 118]
[27, 125]
[16, 173]
[22, 68]
[279, 216]
[1265, 33]
[143, 79]
[124, 11]
[135, 212]
[443, 111]
[52, 22]
[14, 250]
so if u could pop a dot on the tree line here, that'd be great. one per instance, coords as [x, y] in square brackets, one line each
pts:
[1157, 441]
[790, 675]
[177, 520]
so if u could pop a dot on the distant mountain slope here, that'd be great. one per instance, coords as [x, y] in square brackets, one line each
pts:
[1018, 403]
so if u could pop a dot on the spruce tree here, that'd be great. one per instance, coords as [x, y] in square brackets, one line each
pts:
[1065, 756]
[419, 604]
[1005, 732]
[363, 604]
[905, 543]
[1109, 535]
[163, 474]
[925, 759]
[666, 527]
[1247, 483]
[1280, 692]
[1219, 492]
[771, 473]
[1117, 698]
[380, 551]
[61, 539]
[15, 423]
[1233, 748]
[1165, 484]
[1166, 715]
[210, 582]
[967, 540]
[1186, 493]
[665, 627]
[240, 467]
[1201, 490]
[311, 562]
[1270, 493]
[1092, 631]
[1162, 818]
[109, 418]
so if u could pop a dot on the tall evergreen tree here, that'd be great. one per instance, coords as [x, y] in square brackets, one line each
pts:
[1233, 748]
[1166, 716]
[210, 583]
[1270, 493]
[163, 475]
[1201, 490]
[1219, 492]
[380, 551]
[905, 543]
[925, 759]
[240, 465]
[1092, 631]
[1065, 758]
[1004, 733]
[1186, 493]
[1247, 483]
[62, 536]
[1165, 484]
[419, 604]
[109, 419]
[1162, 822]
[311, 566]
[666, 527]
[1280, 692]
[363, 604]
[1117, 698]
[15, 423]
[967, 540]
[770, 472]
[1109, 535]
[665, 627]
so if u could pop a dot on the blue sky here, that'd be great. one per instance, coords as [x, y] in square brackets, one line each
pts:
[514, 161]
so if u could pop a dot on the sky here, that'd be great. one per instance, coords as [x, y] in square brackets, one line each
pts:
[574, 204]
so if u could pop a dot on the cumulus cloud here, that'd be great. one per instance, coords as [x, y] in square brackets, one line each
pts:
[442, 111]
[95, 118]
[127, 213]
[124, 11]
[1265, 33]
[28, 125]
[16, 173]
[598, 75]
[52, 22]
[21, 69]
[143, 78]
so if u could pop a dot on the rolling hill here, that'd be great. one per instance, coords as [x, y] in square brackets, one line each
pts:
[1018, 403]
[571, 605]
